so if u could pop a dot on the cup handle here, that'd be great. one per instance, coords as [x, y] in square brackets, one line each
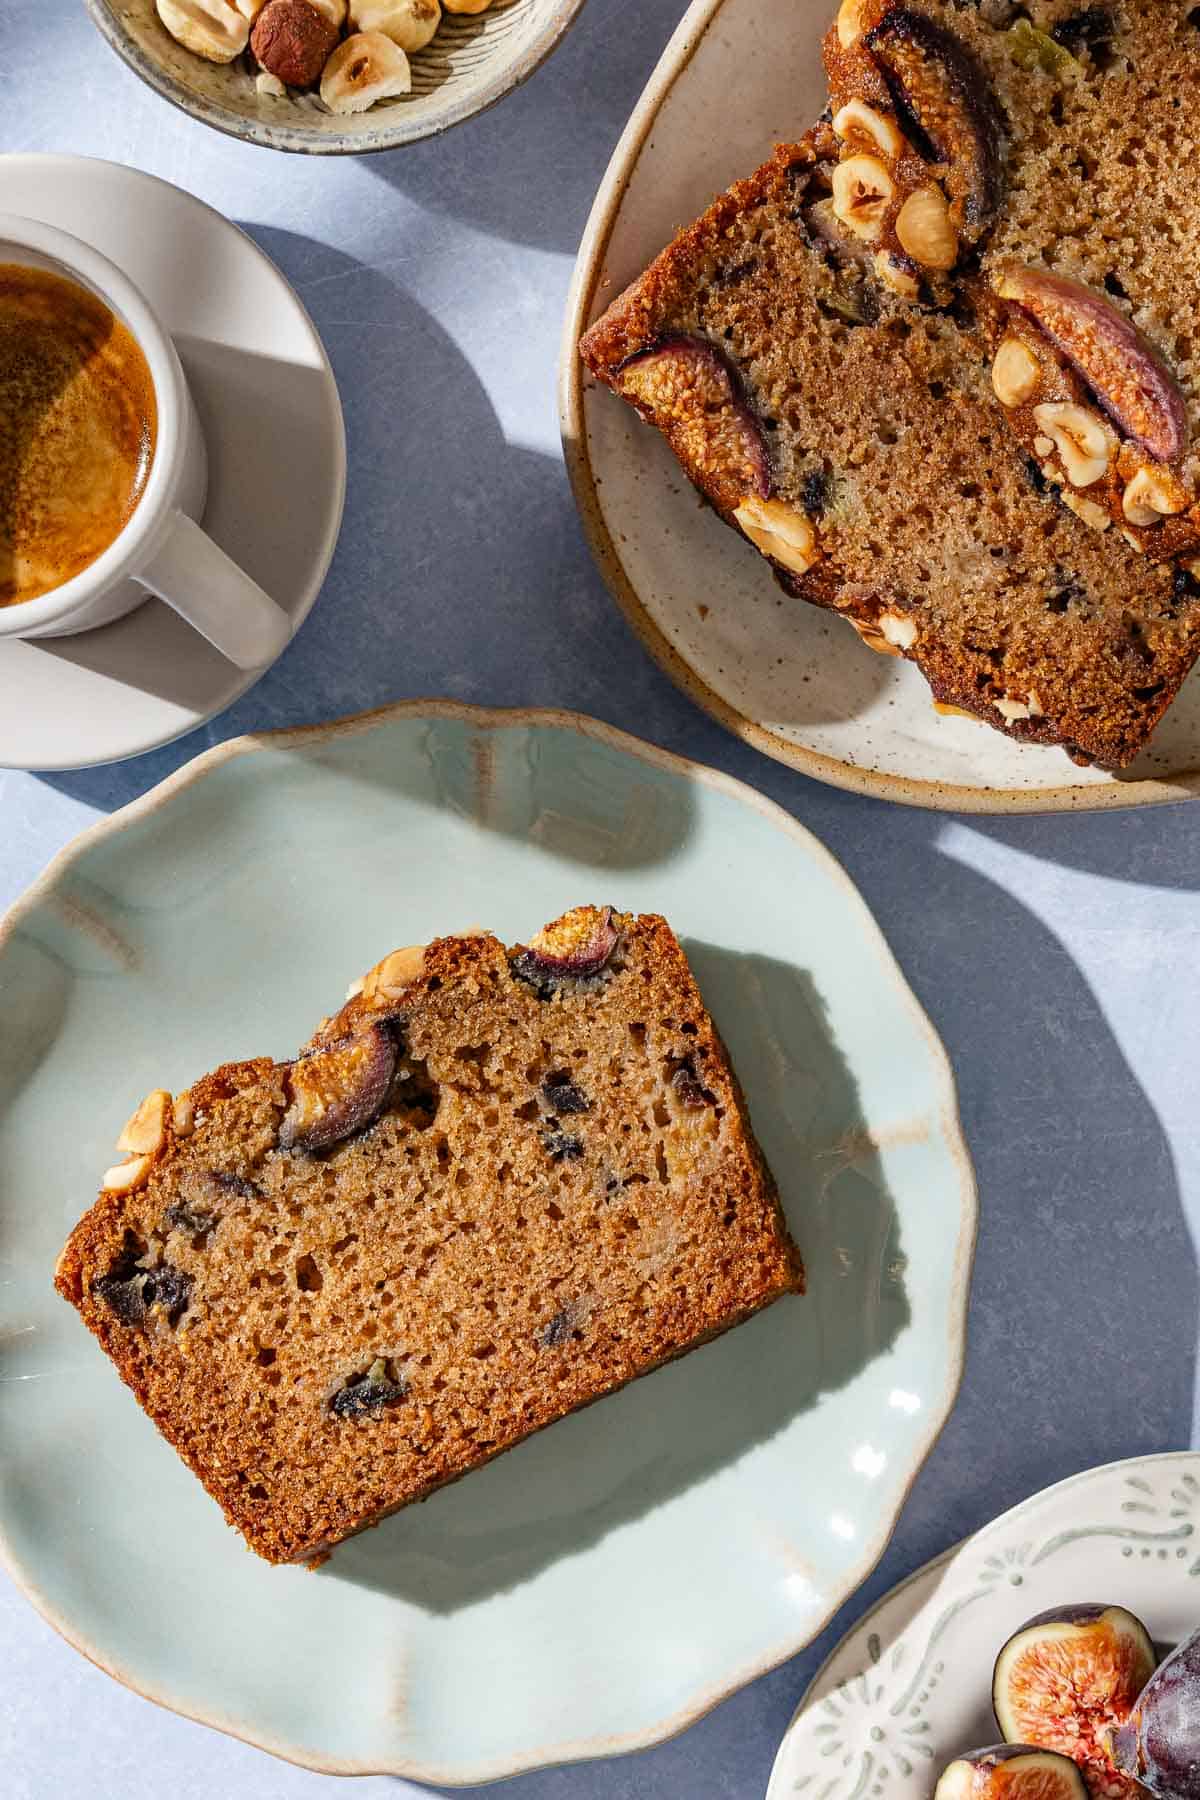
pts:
[206, 587]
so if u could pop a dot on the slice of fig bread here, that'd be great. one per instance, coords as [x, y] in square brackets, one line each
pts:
[497, 1185]
[1040, 160]
[856, 442]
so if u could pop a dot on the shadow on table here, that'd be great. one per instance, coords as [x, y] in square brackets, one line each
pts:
[1153, 846]
[568, 1488]
[1082, 1341]
[491, 171]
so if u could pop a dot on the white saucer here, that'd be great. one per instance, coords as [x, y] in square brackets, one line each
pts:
[909, 1687]
[277, 460]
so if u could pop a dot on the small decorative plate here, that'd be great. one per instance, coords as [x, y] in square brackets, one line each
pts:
[909, 1688]
[605, 1583]
[737, 77]
[474, 60]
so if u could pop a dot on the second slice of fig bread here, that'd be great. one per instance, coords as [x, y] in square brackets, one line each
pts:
[497, 1185]
[859, 447]
[1040, 160]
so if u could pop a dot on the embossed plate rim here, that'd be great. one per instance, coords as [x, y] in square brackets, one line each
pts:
[975, 1561]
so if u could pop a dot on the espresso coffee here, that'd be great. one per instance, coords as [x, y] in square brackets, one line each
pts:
[77, 430]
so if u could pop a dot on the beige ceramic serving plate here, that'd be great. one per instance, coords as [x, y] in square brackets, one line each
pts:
[737, 77]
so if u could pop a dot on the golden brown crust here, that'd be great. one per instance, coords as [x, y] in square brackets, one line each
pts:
[561, 1192]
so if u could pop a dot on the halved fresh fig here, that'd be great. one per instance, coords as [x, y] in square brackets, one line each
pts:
[1124, 371]
[338, 1089]
[574, 947]
[1011, 1772]
[943, 91]
[686, 387]
[1158, 1745]
[1067, 1679]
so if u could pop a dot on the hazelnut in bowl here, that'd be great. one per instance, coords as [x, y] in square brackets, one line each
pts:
[333, 77]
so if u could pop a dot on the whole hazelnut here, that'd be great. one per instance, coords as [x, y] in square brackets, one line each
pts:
[293, 40]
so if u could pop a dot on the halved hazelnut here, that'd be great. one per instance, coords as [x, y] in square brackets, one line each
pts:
[780, 531]
[144, 1132]
[871, 636]
[213, 29]
[1124, 371]
[898, 629]
[388, 979]
[1151, 496]
[183, 1114]
[123, 1177]
[1012, 710]
[850, 22]
[363, 69]
[409, 23]
[897, 274]
[1090, 511]
[925, 229]
[857, 119]
[1083, 441]
[1016, 374]
[862, 193]
[338, 1090]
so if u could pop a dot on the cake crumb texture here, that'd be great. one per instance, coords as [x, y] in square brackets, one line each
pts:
[557, 1188]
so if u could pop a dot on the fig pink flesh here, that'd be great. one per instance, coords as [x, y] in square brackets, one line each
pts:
[586, 956]
[338, 1090]
[1126, 373]
[685, 387]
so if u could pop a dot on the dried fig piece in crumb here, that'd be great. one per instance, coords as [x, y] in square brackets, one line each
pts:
[338, 1089]
[948, 98]
[687, 388]
[562, 1146]
[690, 1090]
[380, 1386]
[134, 1291]
[562, 1095]
[1122, 368]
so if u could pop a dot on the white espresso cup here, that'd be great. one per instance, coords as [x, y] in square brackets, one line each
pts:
[160, 549]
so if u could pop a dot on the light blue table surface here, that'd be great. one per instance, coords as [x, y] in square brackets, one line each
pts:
[1057, 957]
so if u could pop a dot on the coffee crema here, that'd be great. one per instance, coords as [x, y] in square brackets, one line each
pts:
[78, 424]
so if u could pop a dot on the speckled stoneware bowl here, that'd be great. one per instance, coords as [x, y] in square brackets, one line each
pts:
[471, 63]
[603, 1584]
[737, 77]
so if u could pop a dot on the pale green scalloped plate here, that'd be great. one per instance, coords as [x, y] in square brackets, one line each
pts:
[604, 1584]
